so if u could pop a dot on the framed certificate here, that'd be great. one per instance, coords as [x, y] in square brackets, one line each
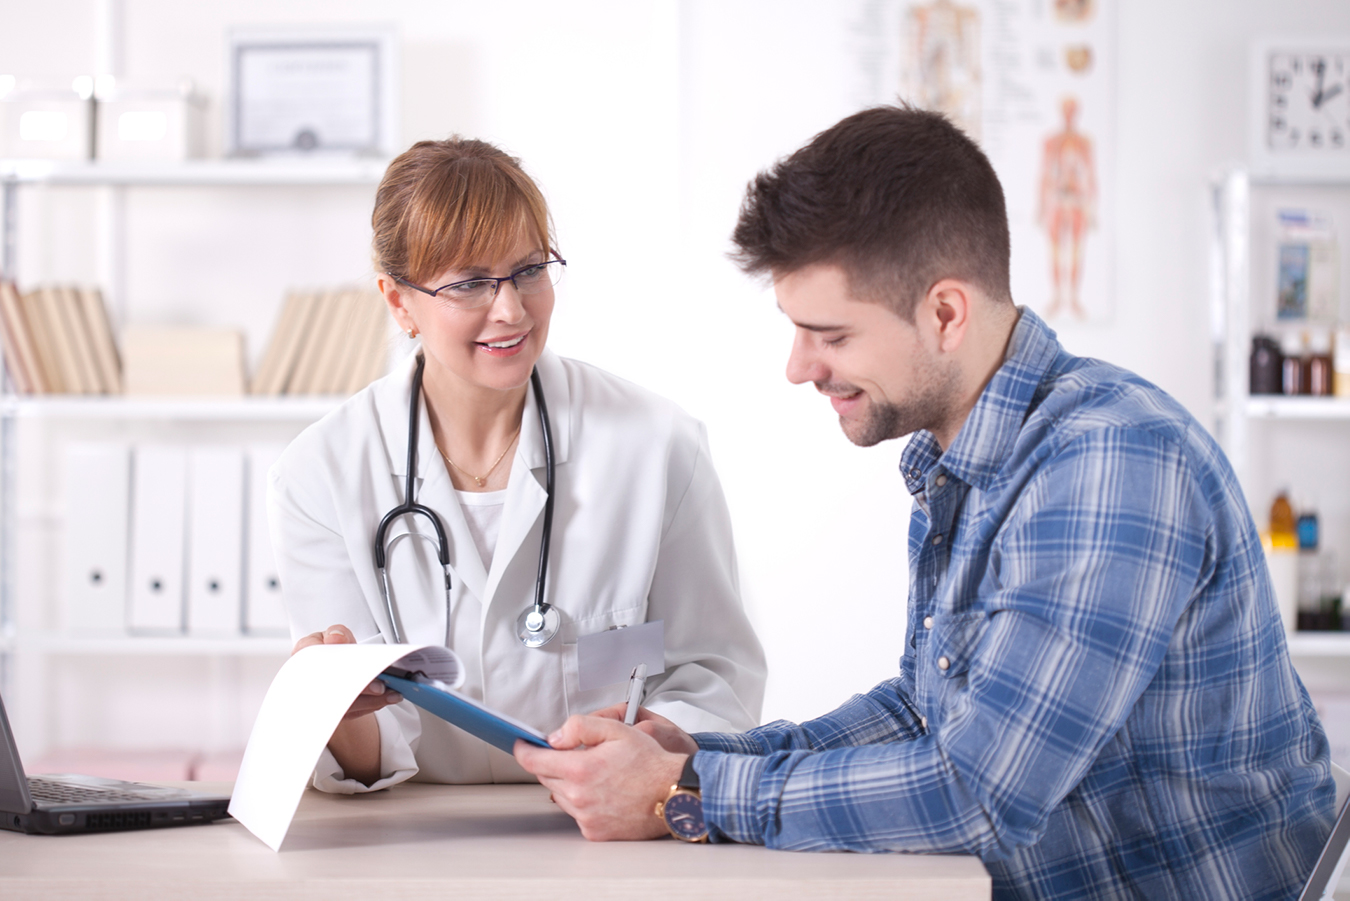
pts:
[308, 90]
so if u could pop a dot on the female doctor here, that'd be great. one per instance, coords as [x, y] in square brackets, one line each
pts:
[639, 527]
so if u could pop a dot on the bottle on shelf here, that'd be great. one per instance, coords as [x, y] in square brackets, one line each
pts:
[1280, 541]
[1291, 366]
[1318, 364]
[1265, 366]
[1340, 362]
[1283, 526]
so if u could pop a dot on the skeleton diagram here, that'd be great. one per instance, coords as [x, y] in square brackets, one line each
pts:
[1068, 207]
[943, 62]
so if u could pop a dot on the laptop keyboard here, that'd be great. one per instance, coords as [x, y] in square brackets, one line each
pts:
[47, 791]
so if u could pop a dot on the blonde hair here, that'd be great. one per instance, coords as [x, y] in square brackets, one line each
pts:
[453, 204]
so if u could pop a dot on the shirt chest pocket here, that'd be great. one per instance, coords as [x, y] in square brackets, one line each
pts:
[579, 701]
[948, 655]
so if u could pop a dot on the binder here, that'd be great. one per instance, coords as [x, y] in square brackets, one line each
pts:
[170, 360]
[158, 518]
[278, 362]
[215, 536]
[373, 356]
[264, 612]
[97, 482]
[20, 354]
[63, 337]
[81, 347]
[40, 327]
[333, 366]
[106, 361]
[314, 342]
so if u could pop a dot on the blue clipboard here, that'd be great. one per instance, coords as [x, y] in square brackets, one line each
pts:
[494, 728]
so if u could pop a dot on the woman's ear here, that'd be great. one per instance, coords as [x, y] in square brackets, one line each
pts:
[394, 299]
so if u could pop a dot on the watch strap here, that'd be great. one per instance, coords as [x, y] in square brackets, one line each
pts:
[689, 775]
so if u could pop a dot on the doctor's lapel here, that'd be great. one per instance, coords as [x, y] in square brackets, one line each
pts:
[523, 513]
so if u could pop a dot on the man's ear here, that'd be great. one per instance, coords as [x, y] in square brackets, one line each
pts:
[946, 309]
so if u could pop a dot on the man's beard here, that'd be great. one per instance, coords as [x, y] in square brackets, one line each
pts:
[927, 407]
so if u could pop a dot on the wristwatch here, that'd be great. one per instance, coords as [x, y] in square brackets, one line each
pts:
[682, 810]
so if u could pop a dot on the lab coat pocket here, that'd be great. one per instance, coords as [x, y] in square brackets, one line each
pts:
[579, 701]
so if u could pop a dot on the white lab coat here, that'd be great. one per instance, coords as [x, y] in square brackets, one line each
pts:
[640, 532]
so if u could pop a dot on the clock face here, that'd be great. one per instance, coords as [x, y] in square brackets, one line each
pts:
[1307, 106]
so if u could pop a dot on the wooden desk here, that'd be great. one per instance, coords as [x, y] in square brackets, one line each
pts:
[471, 841]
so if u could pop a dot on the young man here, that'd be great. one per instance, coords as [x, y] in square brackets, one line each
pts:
[1095, 695]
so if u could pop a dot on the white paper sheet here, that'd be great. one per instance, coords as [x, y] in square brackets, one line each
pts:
[608, 657]
[303, 706]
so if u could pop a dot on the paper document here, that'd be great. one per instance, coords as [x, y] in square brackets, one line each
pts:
[303, 706]
[609, 656]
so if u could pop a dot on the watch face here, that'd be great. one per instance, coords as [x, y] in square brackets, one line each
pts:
[684, 815]
[1307, 105]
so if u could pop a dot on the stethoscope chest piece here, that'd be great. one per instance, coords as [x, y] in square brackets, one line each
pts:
[536, 627]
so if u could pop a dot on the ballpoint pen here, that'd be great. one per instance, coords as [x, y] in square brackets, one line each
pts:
[636, 683]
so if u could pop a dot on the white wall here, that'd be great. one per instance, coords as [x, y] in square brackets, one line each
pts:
[643, 121]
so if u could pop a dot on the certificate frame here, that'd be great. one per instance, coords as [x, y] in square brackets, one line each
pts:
[312, 90]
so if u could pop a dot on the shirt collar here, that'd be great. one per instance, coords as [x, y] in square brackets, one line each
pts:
[989, 431]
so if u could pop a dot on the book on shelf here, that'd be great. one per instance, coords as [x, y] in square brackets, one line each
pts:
[325, 342]
[20, 353]
[58, 340]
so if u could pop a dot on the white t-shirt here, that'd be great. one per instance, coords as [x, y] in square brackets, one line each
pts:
[483, 513]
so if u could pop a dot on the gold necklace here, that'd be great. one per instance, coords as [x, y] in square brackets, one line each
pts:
[482, 480]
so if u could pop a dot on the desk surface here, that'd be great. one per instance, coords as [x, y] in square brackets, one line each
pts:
[491, 841]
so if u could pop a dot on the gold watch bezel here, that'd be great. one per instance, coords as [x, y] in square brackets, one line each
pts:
[678, 789]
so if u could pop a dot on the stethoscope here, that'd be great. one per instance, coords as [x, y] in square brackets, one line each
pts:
[539, 622]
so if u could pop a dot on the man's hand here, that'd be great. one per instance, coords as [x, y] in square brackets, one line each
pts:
[667, 734]
[606, 776]
[375, 696]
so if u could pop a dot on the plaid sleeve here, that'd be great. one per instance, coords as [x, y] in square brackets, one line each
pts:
[882, 715]
[1088, 574]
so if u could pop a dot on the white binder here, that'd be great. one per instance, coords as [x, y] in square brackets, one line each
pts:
[215, 536]
[97, 516]
[158, 518]
[264, 613]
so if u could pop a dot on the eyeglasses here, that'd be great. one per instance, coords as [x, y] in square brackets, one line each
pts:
[475, 292]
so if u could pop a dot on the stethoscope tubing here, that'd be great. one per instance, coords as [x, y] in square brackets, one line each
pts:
[539, 609]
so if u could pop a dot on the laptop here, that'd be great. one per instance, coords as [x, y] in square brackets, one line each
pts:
[53, 805]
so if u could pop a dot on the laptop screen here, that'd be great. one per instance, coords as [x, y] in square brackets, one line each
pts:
[14, 797]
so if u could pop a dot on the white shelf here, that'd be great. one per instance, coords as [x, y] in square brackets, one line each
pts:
[200, 409]
[169, 646]
[317, 171]
[1276, 407]
[1319, 644]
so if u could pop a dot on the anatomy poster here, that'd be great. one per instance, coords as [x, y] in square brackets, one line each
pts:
[1033, 81]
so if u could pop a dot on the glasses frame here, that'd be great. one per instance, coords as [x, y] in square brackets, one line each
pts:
[496, 289]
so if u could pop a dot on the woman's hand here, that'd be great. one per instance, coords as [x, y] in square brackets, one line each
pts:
[375, 696]
[668, 735]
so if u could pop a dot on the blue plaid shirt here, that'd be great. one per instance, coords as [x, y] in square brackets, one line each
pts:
[1095, 695]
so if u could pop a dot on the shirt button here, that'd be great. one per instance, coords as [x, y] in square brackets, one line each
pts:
[923, 721]
[937, 539]
[928, 622]
[941, 480]
[943, 663]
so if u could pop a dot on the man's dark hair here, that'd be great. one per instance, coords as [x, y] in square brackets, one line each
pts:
[899, 198]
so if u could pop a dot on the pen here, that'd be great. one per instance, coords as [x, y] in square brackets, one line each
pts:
[636, 683]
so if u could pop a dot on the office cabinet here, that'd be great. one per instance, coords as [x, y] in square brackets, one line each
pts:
[167, 686]
[1296, 443]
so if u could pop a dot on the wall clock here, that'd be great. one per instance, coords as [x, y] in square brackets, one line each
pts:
[1300, 108]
